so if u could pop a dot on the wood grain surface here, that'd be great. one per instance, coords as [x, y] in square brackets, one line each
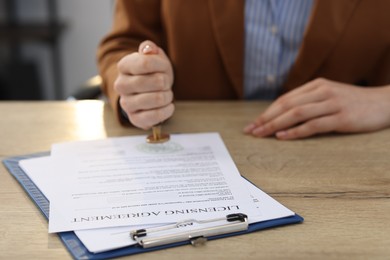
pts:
[340, 184]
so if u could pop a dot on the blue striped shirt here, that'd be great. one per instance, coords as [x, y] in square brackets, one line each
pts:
[273, 34]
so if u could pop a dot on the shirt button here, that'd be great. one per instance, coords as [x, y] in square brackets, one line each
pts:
[271, 79]
[274, 29]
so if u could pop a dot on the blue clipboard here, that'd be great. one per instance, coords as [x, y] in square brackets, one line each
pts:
[76, 247]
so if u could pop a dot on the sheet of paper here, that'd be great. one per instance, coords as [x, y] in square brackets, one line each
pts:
[100, 240]
[104, 239]
[126, 181]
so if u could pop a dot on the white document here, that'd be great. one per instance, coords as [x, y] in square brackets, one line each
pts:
[126, 181]
[104, 239]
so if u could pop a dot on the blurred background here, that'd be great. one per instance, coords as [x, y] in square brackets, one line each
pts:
[48, 47]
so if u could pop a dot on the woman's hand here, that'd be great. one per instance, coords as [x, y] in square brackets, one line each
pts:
[144, 85]
[322, 106]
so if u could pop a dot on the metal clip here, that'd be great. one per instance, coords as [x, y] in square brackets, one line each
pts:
[198, 241]
[194, 231]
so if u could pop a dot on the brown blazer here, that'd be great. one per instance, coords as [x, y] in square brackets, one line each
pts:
[345, 40]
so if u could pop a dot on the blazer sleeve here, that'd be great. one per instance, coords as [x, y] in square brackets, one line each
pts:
[134, 21]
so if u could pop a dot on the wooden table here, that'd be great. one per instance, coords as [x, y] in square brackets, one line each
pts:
[340, 184]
